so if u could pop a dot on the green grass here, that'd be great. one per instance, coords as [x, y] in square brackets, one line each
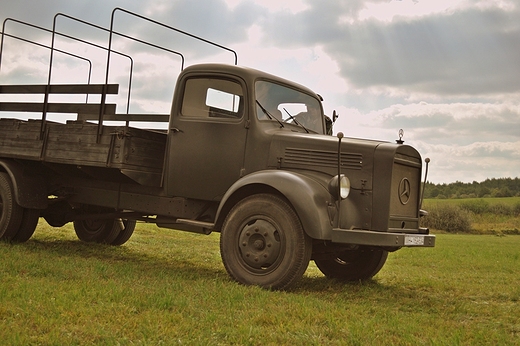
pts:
[167, 287]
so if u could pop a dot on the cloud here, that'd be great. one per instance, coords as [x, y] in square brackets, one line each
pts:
[470, 51]
[456, 123]
[474, 162]
[211, 19]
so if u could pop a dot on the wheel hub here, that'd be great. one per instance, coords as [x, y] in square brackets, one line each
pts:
[259, 244]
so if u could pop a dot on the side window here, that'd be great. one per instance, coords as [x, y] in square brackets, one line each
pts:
[212, 98]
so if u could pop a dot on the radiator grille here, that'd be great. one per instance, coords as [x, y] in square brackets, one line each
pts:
[321, 158]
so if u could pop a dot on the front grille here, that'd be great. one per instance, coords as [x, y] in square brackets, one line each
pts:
[322, 158]
[405, 192]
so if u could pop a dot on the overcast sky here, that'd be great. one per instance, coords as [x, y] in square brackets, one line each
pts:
[445, 71]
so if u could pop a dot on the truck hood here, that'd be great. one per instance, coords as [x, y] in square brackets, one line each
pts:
[319, 153]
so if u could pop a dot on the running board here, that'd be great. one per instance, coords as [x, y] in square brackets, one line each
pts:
[189, 226]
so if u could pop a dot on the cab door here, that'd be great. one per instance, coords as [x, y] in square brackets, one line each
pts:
[207, 137]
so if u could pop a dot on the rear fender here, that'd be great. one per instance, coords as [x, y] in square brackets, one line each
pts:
[29, 189]
[310, 199]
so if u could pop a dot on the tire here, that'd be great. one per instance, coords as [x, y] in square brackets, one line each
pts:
[353, 265]
[98, 231]
[28, 225]
[263, 243]
[124, 234]
[10, 212]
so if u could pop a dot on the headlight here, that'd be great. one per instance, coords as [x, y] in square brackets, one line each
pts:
[343, 189]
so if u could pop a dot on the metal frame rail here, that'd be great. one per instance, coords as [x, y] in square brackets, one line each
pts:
[49, 47]
[111, 31]
[64, 52]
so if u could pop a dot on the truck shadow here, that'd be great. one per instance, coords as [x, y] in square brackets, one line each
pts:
[126, 260]
[324, 284]
[122, 259]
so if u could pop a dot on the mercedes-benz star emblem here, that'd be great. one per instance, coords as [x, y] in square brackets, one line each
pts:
[404, 191]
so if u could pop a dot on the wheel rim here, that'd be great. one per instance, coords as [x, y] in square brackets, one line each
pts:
[349, 258]
[93, 226]
[260, 246]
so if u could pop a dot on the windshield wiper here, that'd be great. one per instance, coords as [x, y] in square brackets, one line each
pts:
[295, 121]
[266, 112]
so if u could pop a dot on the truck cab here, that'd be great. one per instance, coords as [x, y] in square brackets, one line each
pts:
[222, 125]
[239, 132]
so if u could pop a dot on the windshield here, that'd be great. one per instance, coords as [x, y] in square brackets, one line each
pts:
[288, 105]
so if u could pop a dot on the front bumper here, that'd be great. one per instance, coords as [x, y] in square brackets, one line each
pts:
[371, 238]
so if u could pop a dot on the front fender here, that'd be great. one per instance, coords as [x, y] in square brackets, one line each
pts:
[310, 199]
[29, 190]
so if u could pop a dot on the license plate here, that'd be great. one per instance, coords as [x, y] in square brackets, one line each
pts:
[411, 240]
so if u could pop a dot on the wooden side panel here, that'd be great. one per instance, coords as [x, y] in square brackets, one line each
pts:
[20, 139]
[76, 144]
[144, 156]
[137, 153]
[145, 148]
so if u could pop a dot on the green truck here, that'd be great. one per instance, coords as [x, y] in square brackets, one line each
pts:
[245, 153]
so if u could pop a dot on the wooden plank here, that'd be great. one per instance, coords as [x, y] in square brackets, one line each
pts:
[76, 144]
[19, 128]
[153, 118]
[20, 139]
[21, 148]
[56, 107]
[59, 89]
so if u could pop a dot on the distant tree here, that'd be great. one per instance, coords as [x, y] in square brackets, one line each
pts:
[501, 192]
[483, 191]
[434, 192]
[502, 187]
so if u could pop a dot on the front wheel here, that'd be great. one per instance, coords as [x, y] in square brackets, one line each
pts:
[353, 265]
[263, 243]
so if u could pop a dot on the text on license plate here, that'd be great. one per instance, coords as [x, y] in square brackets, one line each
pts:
[411, 240]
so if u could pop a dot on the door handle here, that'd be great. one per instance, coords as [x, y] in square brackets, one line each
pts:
[176, 130]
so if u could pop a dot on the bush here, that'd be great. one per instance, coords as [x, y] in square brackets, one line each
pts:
[448, 218]
[478, 206]
[516, 209]
[501, 209]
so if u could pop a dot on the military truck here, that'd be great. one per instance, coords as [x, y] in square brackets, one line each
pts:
[245, 154]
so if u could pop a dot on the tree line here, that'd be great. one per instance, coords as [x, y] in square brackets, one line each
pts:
[502, 187]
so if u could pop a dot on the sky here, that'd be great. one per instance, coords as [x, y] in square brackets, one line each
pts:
[447, 72]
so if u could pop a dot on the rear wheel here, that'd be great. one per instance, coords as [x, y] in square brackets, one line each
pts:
[353, 265]
[28, 225]
[97, 230]
[263, 243]
[126, 229]
[10, 212]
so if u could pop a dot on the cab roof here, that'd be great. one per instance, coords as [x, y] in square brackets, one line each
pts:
[250, 75]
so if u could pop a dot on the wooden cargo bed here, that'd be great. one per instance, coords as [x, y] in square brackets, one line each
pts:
[137, 153]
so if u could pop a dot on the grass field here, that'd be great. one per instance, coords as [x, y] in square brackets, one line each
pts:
[167, 287]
